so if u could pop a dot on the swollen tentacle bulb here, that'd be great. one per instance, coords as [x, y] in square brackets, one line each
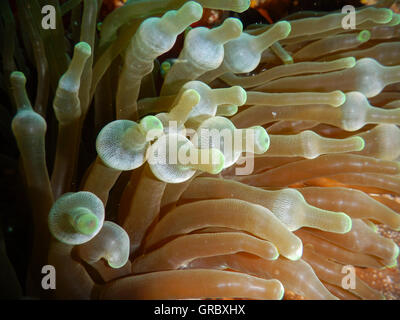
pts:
[260, 163]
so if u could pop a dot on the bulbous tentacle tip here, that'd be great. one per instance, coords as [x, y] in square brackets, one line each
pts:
[66, 102]
[364, 36]
[191, 9]
[176, 22]
[349, 62]
[284, 28]
[240, 5]
[190, 97]
[83, 48]
[345, 225]
[184, 105]
[230, 29]
[235, 95]
[339, 98]
[240, 94]
[151, 127]
[85, 221]
[360, 144]
[18, 82]
[296, 251]
[261, 140]
[281, 291]
[386, 16]
[186, 101]
[390, 265]
[234, 24]
[17, 78]
[115, 264]
[395, 20]
[227, 110]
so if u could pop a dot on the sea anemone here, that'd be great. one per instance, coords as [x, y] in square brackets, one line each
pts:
[252, 164]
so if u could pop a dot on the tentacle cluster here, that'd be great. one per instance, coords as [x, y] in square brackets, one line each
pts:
[302, 101]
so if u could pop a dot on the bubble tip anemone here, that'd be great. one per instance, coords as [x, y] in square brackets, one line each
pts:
[76, 217]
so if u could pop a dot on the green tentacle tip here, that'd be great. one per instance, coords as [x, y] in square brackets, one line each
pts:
[228, 110]
[152, 127]
[282, 291]
[374, 227]
[287, 27]
[297, 252]
[18, 81]
[394, 261]
[231, 28]
[395, 20]
[84, 48]
[392, 265]
[341, 100]
[348, 223]
[232, 110]
[17, 77]
[364, 36]
[85, 222]
[242, 95]
[388, 15]
[232, 24]
[361, 142]
[262, 140]
[276, 255]
[350, 62]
